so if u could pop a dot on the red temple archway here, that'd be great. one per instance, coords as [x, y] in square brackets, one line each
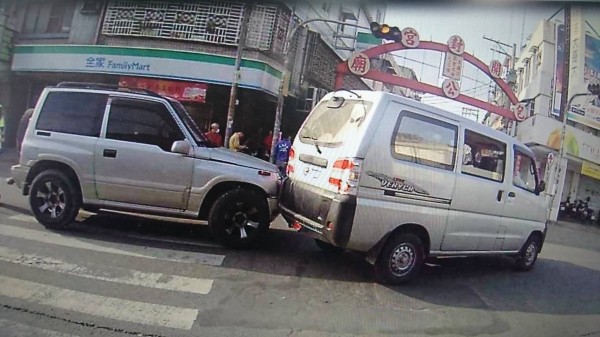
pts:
[343, 69]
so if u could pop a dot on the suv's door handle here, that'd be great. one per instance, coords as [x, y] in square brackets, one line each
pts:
[499, 196]
[511, 194]
[43, 133]
[110, 153]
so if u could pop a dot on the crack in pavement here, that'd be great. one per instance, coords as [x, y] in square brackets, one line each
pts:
[81, 323]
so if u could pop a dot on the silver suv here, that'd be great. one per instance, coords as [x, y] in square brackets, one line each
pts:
[96, 146]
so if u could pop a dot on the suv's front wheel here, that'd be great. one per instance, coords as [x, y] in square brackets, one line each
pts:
[239, 218]
[54, 200]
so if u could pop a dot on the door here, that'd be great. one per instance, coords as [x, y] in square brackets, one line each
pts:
[133, 162]
[525, 210]
[408, 175]
[475, 219]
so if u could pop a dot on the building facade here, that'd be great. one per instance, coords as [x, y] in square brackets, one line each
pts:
[186, 50]
[540, 71]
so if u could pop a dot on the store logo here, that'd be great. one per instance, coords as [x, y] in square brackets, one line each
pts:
[105, 63]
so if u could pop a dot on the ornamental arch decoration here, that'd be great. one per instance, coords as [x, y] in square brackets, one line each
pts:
[517, 111]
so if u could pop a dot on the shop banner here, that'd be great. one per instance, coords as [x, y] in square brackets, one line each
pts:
[560, 67]
[180, 90]
[547, 131]
[590, 170]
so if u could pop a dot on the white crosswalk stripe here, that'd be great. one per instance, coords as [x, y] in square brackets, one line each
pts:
[150, 310]
[127, 276]
[69, 241]
[108, 307]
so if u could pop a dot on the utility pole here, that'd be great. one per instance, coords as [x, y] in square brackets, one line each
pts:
[565, 103]
[237, 73]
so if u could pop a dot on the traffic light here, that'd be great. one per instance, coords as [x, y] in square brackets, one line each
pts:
[594, 89]
[383, 31]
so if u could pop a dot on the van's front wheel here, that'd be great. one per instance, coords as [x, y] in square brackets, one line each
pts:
[400, 259]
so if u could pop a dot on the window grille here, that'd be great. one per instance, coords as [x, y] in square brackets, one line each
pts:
[208, 21]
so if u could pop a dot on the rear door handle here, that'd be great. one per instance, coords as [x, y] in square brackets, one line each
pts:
[511, 194]
[110, 153]
[43, 133]
[499, 196]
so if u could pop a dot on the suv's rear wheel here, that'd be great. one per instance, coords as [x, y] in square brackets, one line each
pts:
[400, 259]
[239, 218]
[54, 200]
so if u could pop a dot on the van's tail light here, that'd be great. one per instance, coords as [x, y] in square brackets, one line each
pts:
[345, 175]
[291, 161]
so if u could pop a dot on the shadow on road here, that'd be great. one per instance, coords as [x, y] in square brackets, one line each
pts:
[552, 287]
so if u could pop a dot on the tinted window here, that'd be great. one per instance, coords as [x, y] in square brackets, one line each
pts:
[524, 172]
[483, 156]
[142, 122]
[76, 113]
[425, 141]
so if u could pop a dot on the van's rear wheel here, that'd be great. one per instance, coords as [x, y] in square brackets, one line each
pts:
[239, 218]
[400, 260]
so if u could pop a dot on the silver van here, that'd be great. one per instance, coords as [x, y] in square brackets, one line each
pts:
[403, 181]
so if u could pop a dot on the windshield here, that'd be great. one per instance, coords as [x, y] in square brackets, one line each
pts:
[192, 127]
[329, 125]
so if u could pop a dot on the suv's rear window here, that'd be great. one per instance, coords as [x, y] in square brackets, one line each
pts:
[78, 113]
[330, 126]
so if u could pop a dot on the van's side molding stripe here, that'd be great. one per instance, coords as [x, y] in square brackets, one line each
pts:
[413, 197]
[398, 184]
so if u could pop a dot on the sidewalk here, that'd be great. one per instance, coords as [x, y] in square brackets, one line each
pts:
[587, 227]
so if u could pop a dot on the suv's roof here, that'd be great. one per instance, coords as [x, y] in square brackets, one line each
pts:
[107, 87]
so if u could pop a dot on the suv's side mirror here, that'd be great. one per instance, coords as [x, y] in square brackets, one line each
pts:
[541, 187]
[181, 147]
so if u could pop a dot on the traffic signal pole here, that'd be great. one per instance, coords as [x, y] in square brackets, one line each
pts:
[285, 74]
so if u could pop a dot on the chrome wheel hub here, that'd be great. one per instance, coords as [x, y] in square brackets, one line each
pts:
[530, 253]
[402, 259]
[52, 200]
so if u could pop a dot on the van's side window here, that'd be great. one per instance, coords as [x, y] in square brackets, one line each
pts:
[425, 141]
[524, 172]
[483, 156]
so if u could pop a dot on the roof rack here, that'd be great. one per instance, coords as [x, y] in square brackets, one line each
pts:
[102, 86]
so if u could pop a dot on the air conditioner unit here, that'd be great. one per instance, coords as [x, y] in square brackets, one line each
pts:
[91, 7]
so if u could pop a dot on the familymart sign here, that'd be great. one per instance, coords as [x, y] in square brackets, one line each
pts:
[160, 63]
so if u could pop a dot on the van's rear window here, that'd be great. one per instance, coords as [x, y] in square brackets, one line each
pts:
[331, 126]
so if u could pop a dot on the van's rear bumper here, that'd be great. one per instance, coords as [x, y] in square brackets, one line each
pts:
[328, 215]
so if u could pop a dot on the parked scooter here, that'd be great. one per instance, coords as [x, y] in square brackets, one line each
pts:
[583, 212]
[566, 208]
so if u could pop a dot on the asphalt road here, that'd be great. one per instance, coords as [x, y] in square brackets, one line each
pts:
[116, 275]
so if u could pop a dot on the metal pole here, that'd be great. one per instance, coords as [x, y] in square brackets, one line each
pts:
[236, 75]
[565, 102]
[285, 74]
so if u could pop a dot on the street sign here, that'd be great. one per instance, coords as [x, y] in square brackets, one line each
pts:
[451, 88]
[495, 68]
[453, 65]
[410, 38]
[359, 64]
[456, 44]
[520, 112]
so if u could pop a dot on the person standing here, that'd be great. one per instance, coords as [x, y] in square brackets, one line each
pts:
[213, 135]
[266, 145]
[235, 142]
[282, 154]
[23, 124]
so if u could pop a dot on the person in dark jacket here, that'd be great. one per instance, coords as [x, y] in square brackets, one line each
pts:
[23, 124]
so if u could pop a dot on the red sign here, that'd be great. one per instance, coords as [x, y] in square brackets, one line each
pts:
[495, 68]
[180, 90]
[451, 88]
[359, 64]
[456, 44]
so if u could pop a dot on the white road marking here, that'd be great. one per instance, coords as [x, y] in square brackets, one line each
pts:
[14, 329]
[73, 242]
[96, 305]
[117, 275]
[23, 217]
